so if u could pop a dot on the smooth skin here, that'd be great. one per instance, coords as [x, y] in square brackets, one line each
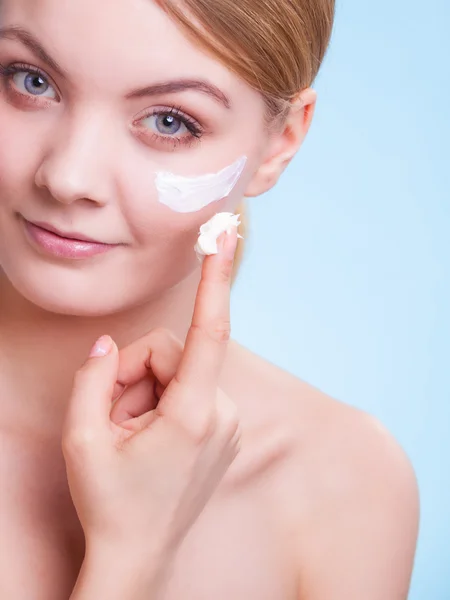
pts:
[320, 502]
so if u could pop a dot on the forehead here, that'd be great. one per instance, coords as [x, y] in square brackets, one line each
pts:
[127, 38]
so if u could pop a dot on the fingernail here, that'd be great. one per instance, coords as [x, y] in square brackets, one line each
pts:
[230, 244]
[102, 347]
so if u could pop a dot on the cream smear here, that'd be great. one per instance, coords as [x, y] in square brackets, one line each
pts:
[210, 232]
[191, 194]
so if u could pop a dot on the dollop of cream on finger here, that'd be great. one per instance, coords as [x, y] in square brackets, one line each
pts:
[212, 230]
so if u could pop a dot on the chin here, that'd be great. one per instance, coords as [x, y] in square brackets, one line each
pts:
[71, 294]
[96, 290]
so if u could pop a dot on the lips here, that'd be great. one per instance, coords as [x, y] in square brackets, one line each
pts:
[66, 235]
[49, 240]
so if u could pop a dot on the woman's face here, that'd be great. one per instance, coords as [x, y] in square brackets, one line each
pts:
[92, 106]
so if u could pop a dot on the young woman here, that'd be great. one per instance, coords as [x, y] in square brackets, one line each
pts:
[181, 466]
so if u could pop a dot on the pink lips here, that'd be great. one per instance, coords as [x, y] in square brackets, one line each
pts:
[64, 247]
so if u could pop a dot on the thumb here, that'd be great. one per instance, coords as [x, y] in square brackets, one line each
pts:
[91, 398]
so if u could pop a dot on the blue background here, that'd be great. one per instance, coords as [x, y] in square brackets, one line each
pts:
[345, 282]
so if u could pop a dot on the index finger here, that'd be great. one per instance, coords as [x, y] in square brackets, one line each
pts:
[206, 342]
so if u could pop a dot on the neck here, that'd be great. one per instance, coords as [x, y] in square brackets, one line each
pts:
[40, 351]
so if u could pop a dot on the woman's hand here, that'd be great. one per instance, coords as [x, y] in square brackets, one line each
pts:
[141, 473]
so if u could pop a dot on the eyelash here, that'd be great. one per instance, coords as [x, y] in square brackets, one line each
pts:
[195, 129]
[8, 72]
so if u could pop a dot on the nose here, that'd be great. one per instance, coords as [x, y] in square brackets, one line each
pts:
[76, 164]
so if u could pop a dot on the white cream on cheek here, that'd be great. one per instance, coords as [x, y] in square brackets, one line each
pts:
[191, 194]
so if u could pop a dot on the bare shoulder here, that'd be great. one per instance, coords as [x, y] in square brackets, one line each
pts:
[347, 485]
[337, 434]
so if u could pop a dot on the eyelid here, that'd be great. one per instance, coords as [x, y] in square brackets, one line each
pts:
[194, 134]
[25, 67]
[190, 122]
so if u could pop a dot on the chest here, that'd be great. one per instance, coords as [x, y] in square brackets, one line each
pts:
[237, 549]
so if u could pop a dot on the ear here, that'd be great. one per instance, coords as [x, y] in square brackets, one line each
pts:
[284, 143]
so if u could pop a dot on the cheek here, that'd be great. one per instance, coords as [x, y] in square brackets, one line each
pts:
[160, 232]
[165, 239]
[154, 224]
[19, 151]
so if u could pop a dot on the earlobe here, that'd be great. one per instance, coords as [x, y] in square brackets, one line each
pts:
[284, 144]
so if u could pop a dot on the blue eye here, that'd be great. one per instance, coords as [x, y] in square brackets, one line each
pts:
[166, 124]
[33, 84]
[169, 126]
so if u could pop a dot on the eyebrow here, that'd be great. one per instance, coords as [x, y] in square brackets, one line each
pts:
[17, 33]
[28, 40]
[183, 85]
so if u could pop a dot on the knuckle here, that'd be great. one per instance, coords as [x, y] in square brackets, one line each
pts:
[154, 340]
[229, 421]
[159, 332]
[222, 331]
[230, 425]
[218, 331]
[226, 270]
[78, 440]
[201, 428]
[161, 338]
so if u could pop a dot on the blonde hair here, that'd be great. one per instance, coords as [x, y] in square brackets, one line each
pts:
[276, 46]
